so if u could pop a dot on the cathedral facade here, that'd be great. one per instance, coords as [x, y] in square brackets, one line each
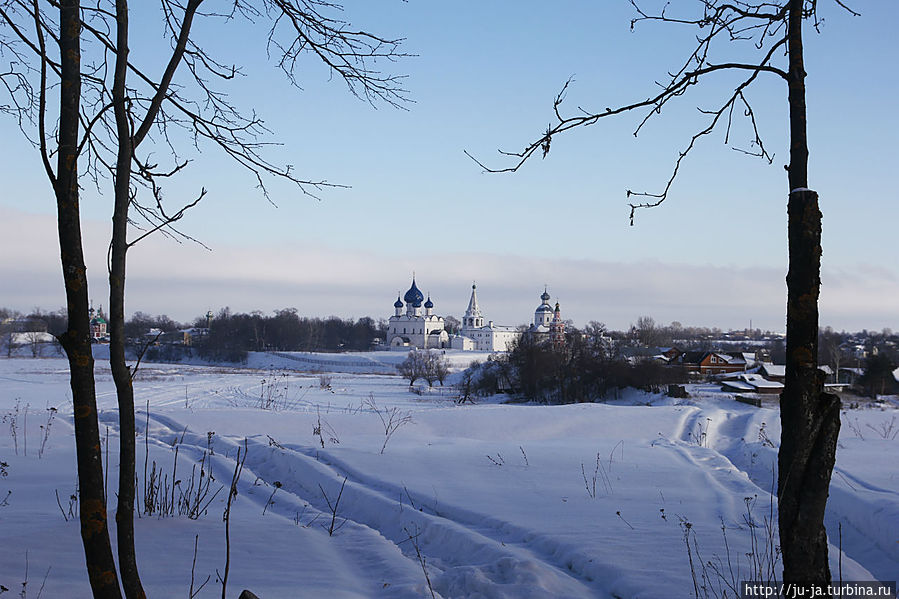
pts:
[414, 323]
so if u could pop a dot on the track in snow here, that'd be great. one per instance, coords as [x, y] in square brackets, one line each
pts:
[466, 552]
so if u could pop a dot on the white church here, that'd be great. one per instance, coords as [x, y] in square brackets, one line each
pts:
[414, 328]
[414, 324]
[477, 336]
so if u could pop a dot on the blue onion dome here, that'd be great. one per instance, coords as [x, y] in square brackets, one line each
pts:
[398, 303]
[429, 303]
[545, 295]
[414, 296]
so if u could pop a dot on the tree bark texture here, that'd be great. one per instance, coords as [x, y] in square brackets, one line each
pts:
[810, 418]
[121, 373]
[77, 340]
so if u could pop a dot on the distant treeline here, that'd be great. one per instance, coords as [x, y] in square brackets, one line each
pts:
[230, 334]
[225, 335]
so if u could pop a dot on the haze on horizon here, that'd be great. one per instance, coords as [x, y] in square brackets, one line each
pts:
[484, 78]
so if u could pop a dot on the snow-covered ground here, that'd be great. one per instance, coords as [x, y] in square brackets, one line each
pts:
[371, 362]
[587, 500]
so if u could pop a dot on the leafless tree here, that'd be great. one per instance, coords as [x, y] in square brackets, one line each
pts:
[770, 34]
[439, 367]
[413, 367]
[452, 324]
[434, 367]
[830, 352]
[112, 120]
[465, 386]
[596, 330]
[646, 330]
[35, 341]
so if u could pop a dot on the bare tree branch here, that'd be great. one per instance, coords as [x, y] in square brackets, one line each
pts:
[764, 23]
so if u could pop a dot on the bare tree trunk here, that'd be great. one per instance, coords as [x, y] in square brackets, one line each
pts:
[120, 371]
[76, 340]
[127, 141]
[810, 418]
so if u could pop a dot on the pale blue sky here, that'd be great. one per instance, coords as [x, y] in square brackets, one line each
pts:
[485, 75]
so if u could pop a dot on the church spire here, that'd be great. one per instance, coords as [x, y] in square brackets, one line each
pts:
[473, 308]
[473, 317]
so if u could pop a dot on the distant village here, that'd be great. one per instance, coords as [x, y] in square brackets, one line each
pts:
[747, 361]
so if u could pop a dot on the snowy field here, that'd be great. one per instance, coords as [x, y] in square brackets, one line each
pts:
[488, 500]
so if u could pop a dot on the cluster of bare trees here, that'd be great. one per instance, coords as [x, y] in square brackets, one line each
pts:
[584, 369]
[647, 332]
[424, 364]
[30, 332]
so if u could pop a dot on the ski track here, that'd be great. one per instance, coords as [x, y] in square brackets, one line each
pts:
[726, 434]
[694, 438]
[497, 558]
[370, 560]
[858, 482]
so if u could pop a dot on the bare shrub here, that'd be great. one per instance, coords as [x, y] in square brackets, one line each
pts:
[12, 419]
[165, 495]
[699, 435]
[45, 431]
[600, 474]
[334, 525]
[275, 394]
[194, 496]
[71, 513]
[886, 430]
[271, 498]
[4, 472]
[719, 577]
[323, 428]
[192, 593]
[413, 538]
[855, 427]
[498, 460]
[226, 516]
[391, 418]
[272, 390]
